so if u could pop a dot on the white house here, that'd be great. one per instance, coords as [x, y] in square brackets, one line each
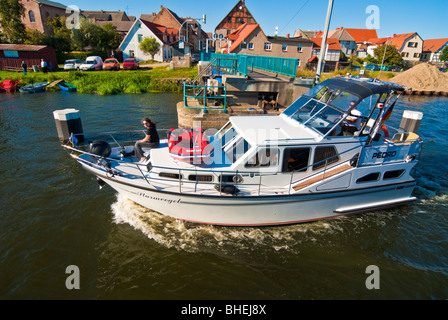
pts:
[144, 29]
[432, 49]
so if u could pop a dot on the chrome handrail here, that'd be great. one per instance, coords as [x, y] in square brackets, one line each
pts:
[235, 172]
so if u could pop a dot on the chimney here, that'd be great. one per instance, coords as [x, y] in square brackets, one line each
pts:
[287, 35]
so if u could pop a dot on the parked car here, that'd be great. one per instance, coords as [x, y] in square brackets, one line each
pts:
[130, 64]
[111, 64]
[395, 69]
[354, 67]
[384, 68]
[442, 69]
[72, 64]
[92, 63]
[372, 67]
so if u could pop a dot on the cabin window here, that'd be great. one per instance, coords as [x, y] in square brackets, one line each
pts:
[325, 156]
[296, 159]
[343, 100]
[369, 178]
[237, 149]
[367, 105]
[264, 158]
[170, 175]
[200, 177]
[230, 178]
[393, 174]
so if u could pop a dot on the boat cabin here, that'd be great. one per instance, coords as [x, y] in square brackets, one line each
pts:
[324, 129]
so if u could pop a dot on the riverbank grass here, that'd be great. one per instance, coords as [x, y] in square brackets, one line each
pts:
[159, 79]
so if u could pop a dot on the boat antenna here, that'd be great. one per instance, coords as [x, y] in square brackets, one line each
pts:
[323, 46]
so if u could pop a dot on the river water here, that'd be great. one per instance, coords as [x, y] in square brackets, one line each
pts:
[53, 216]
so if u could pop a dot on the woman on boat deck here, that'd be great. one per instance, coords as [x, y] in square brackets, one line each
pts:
[151, 139]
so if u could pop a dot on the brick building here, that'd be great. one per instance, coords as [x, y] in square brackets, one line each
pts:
[237, 16]
[38, 11]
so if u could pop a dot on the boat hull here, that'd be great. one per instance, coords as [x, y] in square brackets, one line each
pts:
[66, 87]
[34, 88]
[264, 210]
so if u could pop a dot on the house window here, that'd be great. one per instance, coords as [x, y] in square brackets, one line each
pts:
[31, 14]
[412, 44]
[417, 55]
[267, 46]
[284, 47]
[140, 38]
[299, 48]
[251, 46]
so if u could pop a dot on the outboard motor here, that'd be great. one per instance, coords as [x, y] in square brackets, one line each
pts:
[100, 148]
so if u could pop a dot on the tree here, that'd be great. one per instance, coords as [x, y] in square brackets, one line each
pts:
[60, 39]
[109, 39]
[392, 56]
[88, 35]
[444, 55]
[150, 45]
[11, 13]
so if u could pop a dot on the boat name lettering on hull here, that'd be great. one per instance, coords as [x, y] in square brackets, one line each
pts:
[169, 201]
[389, 154]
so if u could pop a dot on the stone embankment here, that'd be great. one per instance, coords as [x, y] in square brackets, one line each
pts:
[424, 79]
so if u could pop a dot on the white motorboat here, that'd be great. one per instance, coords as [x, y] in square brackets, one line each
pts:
[303, 165]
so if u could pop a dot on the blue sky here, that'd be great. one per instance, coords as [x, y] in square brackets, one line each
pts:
[428, 18]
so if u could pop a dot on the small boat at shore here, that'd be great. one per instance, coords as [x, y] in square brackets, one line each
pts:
[330, 153]
[35, 87]
[68, 87]
[9, 85]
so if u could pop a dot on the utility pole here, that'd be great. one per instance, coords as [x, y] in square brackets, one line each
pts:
[323, 46]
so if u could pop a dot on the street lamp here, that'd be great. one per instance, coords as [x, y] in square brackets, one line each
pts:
[190, 20]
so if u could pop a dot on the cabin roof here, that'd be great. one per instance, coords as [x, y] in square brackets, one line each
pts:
[260, 130]
[363, 87]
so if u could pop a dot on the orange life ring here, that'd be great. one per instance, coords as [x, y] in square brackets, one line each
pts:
[386, 132]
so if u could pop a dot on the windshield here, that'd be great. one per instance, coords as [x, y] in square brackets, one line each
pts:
[89, 62]
[109, 61]
[129, 60]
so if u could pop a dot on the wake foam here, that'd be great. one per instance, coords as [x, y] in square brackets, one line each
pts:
[185, 236]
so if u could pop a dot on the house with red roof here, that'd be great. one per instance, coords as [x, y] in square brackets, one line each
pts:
[332, 54]
[237, 16]
[362, 39]
[250, 39]
[432, 50]
[410, 45]
[145, 29]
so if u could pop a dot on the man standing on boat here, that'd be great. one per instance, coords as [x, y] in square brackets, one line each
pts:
[151, 139]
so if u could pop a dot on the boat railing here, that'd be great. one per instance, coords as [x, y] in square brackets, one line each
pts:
[206, 95]
[192, 179]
